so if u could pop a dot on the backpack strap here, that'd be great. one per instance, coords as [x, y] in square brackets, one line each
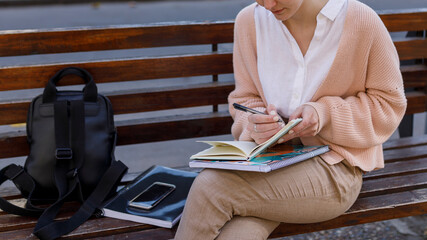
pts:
[63, 149]
[67, 161]
[96, 200]
[25, 183]
[77, 111]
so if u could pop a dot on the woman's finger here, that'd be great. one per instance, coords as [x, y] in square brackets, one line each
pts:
[267, 127]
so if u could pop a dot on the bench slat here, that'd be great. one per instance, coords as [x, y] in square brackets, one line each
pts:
[91, 228]
[199, 125]
[27, 42]
[10, 193]
[414, 75]
[146, 130]
[387, 185]
[168, 98]
[174, 128]
[403, 154]
[105, 227]
[366, 210]
[10, 222]
[399, 168]
[417, 102]
[27, 77]
[193, 95]
[16, 112]
[405, 142]
[104, 71]
[150, 234]
[13, 146]
[405, 19]
[411, 49]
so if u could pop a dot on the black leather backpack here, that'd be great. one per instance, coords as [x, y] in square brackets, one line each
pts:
[72, 137]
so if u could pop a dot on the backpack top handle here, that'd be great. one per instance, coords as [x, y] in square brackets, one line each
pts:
[90, 91]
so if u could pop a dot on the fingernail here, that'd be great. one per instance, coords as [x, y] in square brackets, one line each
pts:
[276, 118]
[280, 140]
[273, 113]
[291, 131]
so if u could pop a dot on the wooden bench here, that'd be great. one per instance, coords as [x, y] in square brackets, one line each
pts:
[195, 79]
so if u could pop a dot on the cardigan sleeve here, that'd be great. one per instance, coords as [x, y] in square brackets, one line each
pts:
[245, 71]
[370, 117]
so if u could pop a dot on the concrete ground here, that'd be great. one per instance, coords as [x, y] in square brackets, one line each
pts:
[176, 153]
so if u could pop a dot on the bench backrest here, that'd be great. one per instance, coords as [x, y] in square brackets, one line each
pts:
[180, 94]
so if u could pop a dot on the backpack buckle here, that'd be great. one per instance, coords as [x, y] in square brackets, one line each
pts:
[64, 153]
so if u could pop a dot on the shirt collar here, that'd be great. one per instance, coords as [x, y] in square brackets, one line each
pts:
[332, 9]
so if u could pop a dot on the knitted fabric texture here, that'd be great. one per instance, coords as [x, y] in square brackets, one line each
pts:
[361, 101]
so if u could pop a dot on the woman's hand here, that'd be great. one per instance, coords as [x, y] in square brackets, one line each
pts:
[307, 127]
[263, 127]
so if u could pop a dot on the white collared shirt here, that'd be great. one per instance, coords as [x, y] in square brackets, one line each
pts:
[288, 78]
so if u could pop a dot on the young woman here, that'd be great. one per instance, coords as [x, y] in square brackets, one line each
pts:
[332, 63]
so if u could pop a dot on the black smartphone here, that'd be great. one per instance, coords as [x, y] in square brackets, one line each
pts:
[152, 195]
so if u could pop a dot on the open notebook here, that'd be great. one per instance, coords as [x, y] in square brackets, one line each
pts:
[275, 158]
[240, 150]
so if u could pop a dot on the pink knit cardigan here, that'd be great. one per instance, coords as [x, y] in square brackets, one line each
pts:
[360, 103]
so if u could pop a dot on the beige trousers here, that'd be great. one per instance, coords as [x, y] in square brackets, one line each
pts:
[226, 204]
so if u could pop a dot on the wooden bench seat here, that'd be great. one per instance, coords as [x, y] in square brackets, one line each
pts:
[194, 88]
[398, 190]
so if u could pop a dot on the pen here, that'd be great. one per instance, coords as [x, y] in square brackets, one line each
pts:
[246, 109]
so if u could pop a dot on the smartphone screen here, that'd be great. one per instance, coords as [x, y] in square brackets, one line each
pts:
[152, 195]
